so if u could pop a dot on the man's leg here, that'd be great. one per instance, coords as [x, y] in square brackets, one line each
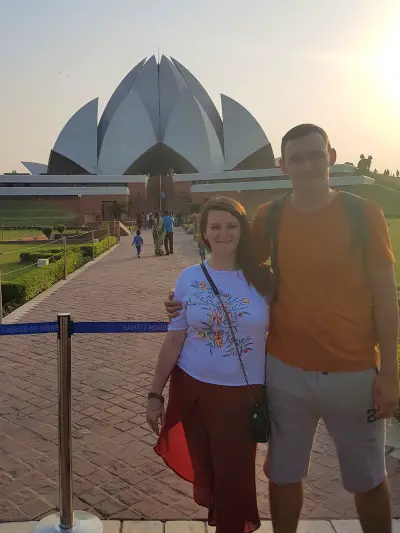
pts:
[166, 243]
[171, 242]
[374, 509]
[349, 416]
[294, 420]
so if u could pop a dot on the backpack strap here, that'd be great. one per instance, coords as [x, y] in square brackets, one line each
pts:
[272, 224]
[354, 207]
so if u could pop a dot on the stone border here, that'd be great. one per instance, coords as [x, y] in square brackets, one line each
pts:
[189, 526]
[21, 311]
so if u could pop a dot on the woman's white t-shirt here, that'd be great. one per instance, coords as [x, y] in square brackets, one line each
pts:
[208, 353]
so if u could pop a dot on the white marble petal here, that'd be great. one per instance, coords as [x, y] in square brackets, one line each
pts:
[128, 136]
[191, 134]
[78, 139]
[35, 168]
[203, 98]
[146, 86]
[114, 102]
[243, 135]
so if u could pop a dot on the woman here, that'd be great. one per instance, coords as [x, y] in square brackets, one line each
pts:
[206, 431]
[158, 234]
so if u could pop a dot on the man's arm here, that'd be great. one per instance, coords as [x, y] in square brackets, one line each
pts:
[382, 288]
[260, 244]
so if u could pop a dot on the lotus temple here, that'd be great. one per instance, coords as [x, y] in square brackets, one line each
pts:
[160, 142]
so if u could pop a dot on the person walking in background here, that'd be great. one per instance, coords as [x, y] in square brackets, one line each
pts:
[138, 242]
[147, 220]
[168, 222]
[158, 233]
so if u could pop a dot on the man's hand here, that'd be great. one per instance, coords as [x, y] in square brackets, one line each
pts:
[386, 394]
[172, 306]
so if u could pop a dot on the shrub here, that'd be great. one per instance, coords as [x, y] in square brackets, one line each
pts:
[195, 208]
[99, 247]
[32, 283]
[47, 230]
[51, 253]
[61, 229]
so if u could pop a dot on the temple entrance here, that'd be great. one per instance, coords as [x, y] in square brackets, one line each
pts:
[160, 193]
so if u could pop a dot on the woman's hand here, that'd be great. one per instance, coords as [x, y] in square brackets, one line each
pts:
[172, 306]
[155, 415]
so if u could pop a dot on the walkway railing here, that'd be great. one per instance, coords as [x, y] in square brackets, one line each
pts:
[68, 520]
[63, 253]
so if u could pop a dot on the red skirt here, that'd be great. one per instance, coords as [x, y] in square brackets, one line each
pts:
[207, 440]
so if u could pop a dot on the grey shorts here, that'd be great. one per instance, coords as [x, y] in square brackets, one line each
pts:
[298, 399]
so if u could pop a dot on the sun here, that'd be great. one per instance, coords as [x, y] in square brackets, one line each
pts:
[386, 68]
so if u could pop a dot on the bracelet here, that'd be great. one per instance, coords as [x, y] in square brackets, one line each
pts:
[155, 396]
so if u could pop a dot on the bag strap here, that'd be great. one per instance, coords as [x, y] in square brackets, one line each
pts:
[272, 224]
[354, 207]
[218, 295]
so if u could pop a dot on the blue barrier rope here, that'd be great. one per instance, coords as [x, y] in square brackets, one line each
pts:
[85, 327]
[28, 329]
[120, 327]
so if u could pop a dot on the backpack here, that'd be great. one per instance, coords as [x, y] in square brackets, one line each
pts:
[354, 209]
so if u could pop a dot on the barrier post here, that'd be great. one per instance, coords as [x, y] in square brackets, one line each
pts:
[108, 235]
[118, 233]
[1, 302]
[66, 520]
[65, 257]
[93, 245]
[64, 420]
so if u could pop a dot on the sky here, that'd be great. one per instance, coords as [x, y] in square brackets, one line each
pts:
[336, 64]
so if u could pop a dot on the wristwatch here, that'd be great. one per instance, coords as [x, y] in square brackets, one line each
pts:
[155, 396]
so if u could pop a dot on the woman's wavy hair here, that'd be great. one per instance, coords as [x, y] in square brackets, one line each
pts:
[257, 275]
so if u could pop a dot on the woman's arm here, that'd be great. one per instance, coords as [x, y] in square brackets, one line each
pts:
[167, 358]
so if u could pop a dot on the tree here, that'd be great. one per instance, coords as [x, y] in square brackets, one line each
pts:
[119, 208]
[61, 229]
[47, 230]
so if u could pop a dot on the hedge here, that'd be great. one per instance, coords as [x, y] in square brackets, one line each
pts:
[31, 283]
[99, 247]
[56, 253]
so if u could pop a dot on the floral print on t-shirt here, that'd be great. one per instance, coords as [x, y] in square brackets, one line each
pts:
[215, 330]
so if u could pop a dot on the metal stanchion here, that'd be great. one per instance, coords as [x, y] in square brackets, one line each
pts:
[118, 233]
[65, 257]
[66, 520]
[93, 254]
[108, 235]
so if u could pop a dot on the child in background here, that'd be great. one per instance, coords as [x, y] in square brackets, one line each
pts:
[202, 248]
[138, 242]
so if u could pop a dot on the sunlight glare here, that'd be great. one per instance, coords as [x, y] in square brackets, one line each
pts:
[386, 68]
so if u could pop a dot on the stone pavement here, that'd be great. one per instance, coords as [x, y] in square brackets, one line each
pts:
[180, 526]
[116, 473]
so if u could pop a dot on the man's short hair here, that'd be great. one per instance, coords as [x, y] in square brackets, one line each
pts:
[302, 130]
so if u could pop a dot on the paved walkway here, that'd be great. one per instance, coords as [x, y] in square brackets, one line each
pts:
[187, 526]
[117, 475]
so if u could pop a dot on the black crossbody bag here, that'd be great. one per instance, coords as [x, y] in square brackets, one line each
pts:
[260, 425]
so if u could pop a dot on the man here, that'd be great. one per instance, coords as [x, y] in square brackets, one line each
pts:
[168, 222]
[322, 355]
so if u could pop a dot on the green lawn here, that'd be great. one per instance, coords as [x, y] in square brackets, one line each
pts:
[10, 261]
[14, 234]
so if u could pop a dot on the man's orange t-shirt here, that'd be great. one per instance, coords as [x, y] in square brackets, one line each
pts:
[322, 319]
